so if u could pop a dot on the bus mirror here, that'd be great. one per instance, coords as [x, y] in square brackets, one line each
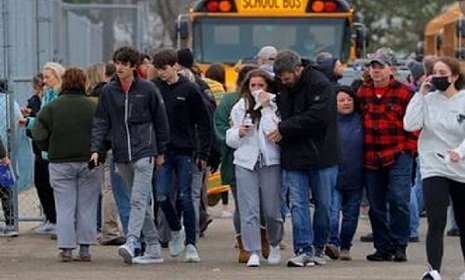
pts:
[460, 28]
[183, 30]
[420, 50]
[362, 39]
[438, 41]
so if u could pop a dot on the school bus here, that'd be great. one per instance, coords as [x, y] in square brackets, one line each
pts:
[445, 34]
[228, 31]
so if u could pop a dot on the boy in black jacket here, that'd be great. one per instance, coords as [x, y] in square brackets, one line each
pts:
[186, 115]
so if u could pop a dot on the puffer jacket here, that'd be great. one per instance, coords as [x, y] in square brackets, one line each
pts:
[249, 147]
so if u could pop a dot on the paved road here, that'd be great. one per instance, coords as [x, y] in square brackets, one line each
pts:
[31, 256]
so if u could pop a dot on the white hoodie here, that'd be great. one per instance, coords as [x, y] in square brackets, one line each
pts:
[248, 148]
[442, 124]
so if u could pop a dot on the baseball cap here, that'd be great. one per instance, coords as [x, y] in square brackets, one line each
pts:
[267, 53]
[380, 58]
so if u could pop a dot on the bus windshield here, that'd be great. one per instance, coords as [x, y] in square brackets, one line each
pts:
[227, 40]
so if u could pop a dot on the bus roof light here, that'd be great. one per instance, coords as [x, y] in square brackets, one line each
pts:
[213, 6]
[318, 6]
[331, 6]
[225, 6]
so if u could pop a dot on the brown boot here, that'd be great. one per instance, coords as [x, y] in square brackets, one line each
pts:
[265, 243]
[243, 254]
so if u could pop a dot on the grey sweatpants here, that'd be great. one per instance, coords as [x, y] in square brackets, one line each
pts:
[137, 176]
[261, 186]
[76, 190]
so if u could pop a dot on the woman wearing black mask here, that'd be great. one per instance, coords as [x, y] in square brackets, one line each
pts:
[440, 114]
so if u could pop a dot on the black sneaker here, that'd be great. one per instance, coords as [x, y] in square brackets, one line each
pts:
[380, 256]
[414, 239]
[400, 255]
[453, 232]
[163, 244]
[367, 238]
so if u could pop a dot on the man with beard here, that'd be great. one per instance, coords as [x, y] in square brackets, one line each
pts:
[305, 105]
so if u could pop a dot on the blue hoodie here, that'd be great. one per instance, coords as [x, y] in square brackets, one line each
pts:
[351, 175]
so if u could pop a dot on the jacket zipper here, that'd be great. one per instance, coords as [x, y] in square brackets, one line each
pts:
[126, 116]
[150, 135]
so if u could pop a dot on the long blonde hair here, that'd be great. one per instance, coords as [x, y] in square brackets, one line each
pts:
[95, 74]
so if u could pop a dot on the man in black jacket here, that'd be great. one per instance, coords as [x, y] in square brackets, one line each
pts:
[306, 109]
[187, 116]
[132, 111]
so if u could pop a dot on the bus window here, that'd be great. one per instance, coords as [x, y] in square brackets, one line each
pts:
[228, 41]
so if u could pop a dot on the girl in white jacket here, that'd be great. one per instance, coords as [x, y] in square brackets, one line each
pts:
[257, 165]
[440, 114]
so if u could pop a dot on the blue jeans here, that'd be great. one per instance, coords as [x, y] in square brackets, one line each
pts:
[416, 201]
[182, 165]
[390, 186]
[122, 197]
[347, 201]
[298, 183]
[323, 182]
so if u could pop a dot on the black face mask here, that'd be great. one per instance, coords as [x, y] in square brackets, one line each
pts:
[440, 83]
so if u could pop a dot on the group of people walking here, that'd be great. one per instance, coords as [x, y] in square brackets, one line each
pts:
[290, 136]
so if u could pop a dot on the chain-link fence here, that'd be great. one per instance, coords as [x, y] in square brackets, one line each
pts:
[33, 32]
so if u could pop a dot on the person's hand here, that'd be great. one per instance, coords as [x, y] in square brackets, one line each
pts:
[275, 136]
[243, 131]
[426, 86]
[5, 161]
[22, 122]
[453, 156]
[94, 158]
[159, 161]
[26, 112]
[264, 98]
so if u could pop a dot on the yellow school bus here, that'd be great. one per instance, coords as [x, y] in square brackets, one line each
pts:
[228, 31]
[445, 33]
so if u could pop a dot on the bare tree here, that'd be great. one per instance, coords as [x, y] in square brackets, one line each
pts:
[169, 11]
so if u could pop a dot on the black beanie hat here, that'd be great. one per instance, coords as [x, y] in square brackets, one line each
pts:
[185, 58]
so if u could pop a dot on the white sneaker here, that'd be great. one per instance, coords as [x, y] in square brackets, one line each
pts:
[192, 255]
[126, 251]
[432, 275]
[152, 255]
[302, 260]
[275, 255]
[9, 231]
[46, 228]
[226, 214]
[177, 242]
[462, 277]
[254, 261]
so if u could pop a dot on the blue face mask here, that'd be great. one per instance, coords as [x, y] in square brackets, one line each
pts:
[441, 83]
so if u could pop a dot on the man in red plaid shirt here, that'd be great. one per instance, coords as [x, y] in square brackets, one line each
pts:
[388, 158]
